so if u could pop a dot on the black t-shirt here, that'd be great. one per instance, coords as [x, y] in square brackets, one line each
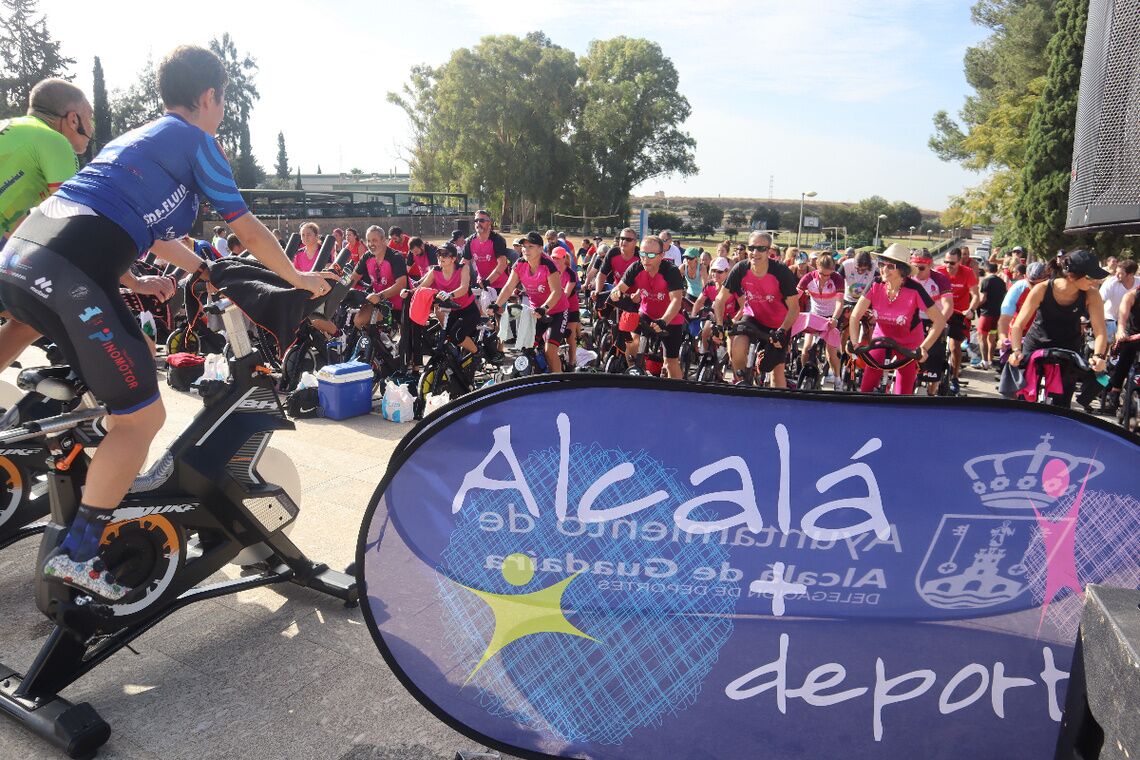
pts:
[992, 289]
[608, 264]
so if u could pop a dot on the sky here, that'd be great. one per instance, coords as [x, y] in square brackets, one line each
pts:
[833, 96]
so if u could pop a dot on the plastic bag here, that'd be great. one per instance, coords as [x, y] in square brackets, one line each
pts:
[431, 403]
[506, 331]
[487, 297]
[216, 368]
[308, 380]
[524, 329]
[397, 403]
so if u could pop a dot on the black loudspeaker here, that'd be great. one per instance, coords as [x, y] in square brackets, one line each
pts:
[1102, 709]
[464, 226]
[1104, 192]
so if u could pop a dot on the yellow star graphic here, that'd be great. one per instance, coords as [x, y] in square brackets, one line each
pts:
[519, 615]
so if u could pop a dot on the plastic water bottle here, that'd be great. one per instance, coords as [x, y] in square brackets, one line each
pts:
[540, 360]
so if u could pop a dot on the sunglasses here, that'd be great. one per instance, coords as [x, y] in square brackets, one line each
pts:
[648, 255]
[921, 268]
[628, 240]
[759, 248]
[887, 264]
[482, 221]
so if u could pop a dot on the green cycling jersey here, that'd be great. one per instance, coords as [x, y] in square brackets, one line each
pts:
[34, 160]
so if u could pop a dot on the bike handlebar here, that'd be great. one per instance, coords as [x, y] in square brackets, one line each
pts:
[888, 346]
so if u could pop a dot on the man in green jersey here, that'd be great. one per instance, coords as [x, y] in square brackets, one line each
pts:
[37, 153]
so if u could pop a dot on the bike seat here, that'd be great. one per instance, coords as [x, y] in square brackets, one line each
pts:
[57, 382]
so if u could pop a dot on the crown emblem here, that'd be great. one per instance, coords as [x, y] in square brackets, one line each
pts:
[1029, 479]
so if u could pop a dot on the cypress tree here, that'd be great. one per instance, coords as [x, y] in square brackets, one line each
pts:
[1043, 187]
[102, 109]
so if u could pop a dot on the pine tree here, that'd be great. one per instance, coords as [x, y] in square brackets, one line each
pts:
[282, 157]
[28, 54]
[318, 168]
[1043, 188]
[102, 109]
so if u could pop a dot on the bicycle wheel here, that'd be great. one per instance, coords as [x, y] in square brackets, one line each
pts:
[299, 359]
[686, 358]
[615, 364]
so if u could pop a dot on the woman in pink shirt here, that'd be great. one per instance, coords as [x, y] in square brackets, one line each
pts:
[310, 247]
[543, 285]
[898, 302]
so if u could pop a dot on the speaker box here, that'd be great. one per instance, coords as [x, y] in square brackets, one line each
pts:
[1104, 192]
[1102, 708]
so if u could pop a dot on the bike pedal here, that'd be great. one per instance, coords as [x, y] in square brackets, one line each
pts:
[81, 619]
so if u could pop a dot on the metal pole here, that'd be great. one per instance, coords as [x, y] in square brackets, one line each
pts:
[800, 227]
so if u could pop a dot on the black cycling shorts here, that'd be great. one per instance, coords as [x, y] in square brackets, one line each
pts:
[936, 357]
[555, 327]
[773, 357]
[463, 323]
[672, 339]
[958, 327]
[575, 317]
[61, 276]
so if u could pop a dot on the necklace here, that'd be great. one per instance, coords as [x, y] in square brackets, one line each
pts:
[892, 296]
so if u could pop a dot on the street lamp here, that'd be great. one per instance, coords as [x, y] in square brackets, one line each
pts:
[912, 230]
[928, 234]
[800, 228]
[878, 220]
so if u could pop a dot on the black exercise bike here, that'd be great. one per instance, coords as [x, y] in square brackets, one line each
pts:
[204, 504]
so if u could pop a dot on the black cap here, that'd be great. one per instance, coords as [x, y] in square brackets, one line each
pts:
[447, 249]
[1085, 263]
[535, 238]
[456, 234]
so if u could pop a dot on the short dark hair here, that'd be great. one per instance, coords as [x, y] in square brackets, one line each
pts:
[415, 242]
[394, 231]
[991, 268]
[1129, 265]
[232, 241]
[187, 72]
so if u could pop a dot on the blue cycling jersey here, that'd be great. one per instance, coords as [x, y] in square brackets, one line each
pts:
[148, 181]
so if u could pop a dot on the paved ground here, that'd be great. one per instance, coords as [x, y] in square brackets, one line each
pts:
[277, 672]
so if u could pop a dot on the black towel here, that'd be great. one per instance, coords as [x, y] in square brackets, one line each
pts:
[267, 300]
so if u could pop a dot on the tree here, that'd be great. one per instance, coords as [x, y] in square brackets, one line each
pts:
[28, 54]
[629, 128]
[318, 168]
[706, 215]
[298, 185]
[664, 220]
[102, 110]
[1007, 72]
[282, 166]
[138, 104]
[904, 216]
[736, 217]
[1043, 186]
[241, 93]
[247, 172]
[494, 120]
[768, 215]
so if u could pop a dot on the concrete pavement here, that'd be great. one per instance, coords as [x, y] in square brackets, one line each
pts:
[278, 672]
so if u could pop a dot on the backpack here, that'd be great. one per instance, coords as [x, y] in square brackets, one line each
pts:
[183, 369]
[303, 403]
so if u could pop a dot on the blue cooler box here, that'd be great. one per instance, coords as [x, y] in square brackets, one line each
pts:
[345, 390]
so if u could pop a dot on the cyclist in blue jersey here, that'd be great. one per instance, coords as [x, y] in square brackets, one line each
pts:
[62, 269]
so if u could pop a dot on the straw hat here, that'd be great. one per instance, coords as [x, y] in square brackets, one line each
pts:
[896, 252]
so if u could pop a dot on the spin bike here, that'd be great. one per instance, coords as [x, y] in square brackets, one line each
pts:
[201, 506]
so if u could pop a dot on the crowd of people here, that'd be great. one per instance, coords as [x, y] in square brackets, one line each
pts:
[70, 236]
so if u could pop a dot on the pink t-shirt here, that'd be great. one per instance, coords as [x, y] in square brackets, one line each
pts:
[899, 319]
[536, 283]
[385, 273]
[824, 292]
[765, 298]
[485, 256]
[440, 282]
[303, 261]
[569, 277]
[655, 289]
